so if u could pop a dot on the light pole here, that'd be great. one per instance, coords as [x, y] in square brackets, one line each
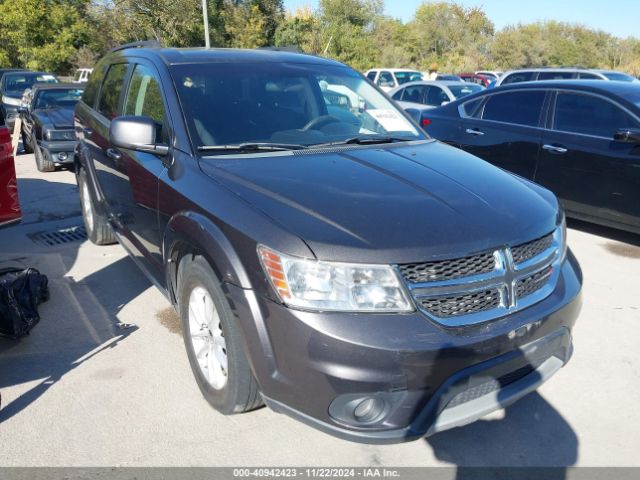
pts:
[205, 15]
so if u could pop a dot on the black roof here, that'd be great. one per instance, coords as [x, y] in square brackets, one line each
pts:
[176, 56]
[617, 88]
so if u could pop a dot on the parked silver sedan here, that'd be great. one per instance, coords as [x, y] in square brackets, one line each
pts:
[432, 94]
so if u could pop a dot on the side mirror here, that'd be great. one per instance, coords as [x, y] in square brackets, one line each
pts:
[136, 133]
[627, 135]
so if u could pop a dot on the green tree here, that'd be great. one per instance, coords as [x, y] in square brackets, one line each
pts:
[42, 34]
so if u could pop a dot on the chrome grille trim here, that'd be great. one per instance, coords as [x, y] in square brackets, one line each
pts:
[520, 284]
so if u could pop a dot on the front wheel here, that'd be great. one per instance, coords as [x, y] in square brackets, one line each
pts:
[42, 163]
[213, 340]
[26, 144]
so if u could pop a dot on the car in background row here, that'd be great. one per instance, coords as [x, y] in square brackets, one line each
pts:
[13, 85]
[483, 80]
[447, 77]
[534, 74]
[342, 268]
[9, 204]
[493, 74]
[47, 124]
[580, 139]
[389, 78]
[414, 97]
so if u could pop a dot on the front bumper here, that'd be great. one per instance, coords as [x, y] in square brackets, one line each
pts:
[423, 377]
[52, 151]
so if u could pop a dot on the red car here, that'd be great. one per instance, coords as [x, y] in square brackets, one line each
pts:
[9, 205]
[475, 78]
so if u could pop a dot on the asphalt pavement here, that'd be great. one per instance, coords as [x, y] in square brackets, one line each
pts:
[103, 380]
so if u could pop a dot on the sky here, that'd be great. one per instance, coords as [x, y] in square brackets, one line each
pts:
[618, 17]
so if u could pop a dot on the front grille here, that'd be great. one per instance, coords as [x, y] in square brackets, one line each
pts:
[464, 304]
[527, 251]
[489, 386]
[527, 286]
[448, 269]
[485, 286]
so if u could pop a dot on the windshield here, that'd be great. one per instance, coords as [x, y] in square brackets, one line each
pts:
[619, 77]
[16, 83]
[406, 77]
[61, 98]
[284, 103]
[463, 90]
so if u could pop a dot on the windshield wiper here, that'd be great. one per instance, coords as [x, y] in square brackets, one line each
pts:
[252, 147]
[363, 140]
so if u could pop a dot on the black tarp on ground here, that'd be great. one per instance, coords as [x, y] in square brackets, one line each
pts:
[21, 291]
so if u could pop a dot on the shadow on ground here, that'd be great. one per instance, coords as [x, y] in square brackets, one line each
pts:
[605, 232]
[78, 322]
[531, 434]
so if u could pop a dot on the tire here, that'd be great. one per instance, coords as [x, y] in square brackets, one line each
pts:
[42, 163]
[201, 301]
[96, 224]
[26, 144]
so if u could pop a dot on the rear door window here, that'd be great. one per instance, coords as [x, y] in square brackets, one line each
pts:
[414, 94]
[521, 108]
[371, 76]
[517, 77]
[555, 75]
[385, 80]
[436, 96]
[589, 115]
[588, 76]
[93, 86]
[111, 89]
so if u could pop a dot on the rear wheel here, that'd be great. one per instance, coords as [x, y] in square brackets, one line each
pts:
[213, 340]
[96, 224]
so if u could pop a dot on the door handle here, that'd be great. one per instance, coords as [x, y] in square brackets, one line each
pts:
[113, 154]
[87, 132]
[474, 131]
[554, 149]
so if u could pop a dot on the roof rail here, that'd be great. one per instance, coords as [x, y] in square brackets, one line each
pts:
[142, 44]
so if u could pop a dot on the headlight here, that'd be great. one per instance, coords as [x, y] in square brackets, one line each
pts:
[60, 135]
[563, 232]
[315, 285]
[16, 102]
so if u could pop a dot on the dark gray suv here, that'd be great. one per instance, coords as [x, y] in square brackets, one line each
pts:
[324, 255]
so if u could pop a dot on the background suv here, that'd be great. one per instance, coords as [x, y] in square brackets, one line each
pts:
[533, 74]
[325, 256]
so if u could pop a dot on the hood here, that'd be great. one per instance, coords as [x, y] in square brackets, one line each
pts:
[399, 204]
[59, 118]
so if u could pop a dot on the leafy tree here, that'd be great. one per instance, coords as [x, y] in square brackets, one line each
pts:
[42, 34]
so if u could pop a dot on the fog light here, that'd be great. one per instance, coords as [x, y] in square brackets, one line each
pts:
[62, 156]
[368, 409]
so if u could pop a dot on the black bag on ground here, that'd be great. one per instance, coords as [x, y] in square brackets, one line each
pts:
[21, 291]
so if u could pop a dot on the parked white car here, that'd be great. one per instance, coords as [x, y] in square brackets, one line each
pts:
[389, 78]
[432, 94]
[82, 75]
